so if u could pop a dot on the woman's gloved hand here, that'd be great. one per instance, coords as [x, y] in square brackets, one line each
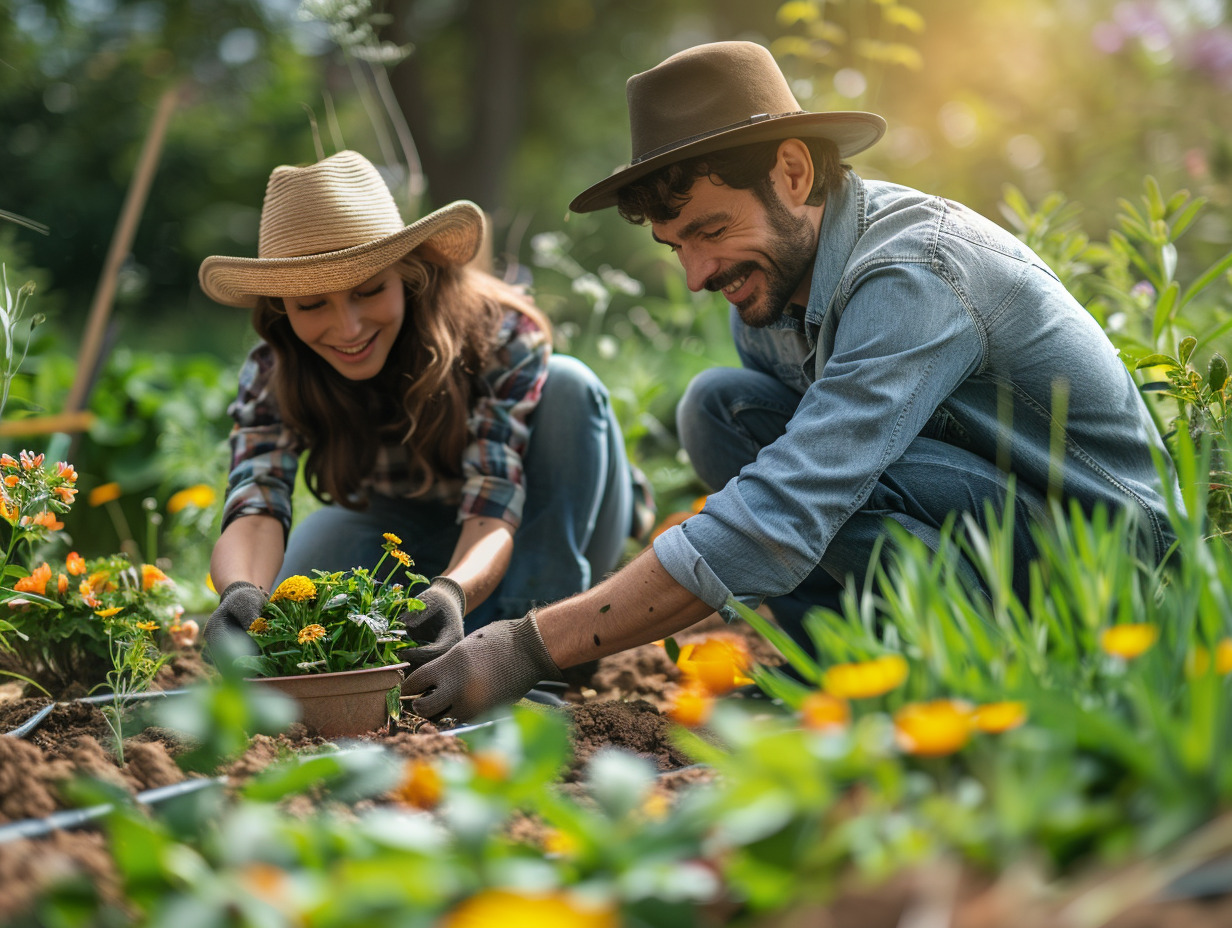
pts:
[492, 666]
[438, 626]
[226, 630]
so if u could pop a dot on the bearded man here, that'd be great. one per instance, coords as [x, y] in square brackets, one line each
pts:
[903, 359]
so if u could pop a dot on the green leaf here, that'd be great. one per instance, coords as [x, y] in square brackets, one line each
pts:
[1217, 373]
[1156, 360]
[786, 645]
[393, 701]
[672, 649]
[1206, 278]
[1186, 348]
[1164, 307]
[292, 778]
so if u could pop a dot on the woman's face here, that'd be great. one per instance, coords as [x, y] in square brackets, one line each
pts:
[354, 329]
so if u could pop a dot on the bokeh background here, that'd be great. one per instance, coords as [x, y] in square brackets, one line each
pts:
[517, 105]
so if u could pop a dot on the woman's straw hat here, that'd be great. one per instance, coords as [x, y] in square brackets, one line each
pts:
[330, 226]
[716, 96]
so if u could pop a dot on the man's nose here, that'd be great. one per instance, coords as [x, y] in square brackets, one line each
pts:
[698, 268]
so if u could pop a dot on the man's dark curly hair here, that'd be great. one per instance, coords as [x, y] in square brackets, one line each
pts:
[658, 196]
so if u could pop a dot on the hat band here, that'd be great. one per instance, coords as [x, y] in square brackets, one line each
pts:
[680, 143]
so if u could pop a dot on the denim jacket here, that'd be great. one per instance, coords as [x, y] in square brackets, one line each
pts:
[923, 318]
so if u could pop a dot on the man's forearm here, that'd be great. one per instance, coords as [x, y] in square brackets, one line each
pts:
[640, 604]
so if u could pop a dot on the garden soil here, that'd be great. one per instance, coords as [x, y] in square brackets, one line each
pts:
[620, 704]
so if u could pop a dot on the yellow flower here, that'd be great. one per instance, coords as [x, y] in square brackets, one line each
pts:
[310, 633]
[401, 557]
[865, 679]
[259, 626]
[298, 589]
[8, 509]
[933, 729]
[421, 786]
[656, 807]
[108, 613]
[559, 842]
[199, 496]
[524, 909]
[86, 591]
[151, 575]
[717, 664]
[392, 538]
[823, 712]
[147, 626]
[1199, 660]
[1128, 641]
[104, 493]
[209, 584]
[691, 706]
[996, 717]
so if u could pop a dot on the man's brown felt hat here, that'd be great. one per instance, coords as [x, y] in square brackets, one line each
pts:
[713, 97]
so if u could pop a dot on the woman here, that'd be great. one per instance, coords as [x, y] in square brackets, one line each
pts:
[424, 398]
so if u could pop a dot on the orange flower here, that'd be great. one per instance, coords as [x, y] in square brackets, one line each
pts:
[865, 679]
[525, 909]
[151, 575]
[691, 706]
[421, 786]
[66, 494]
[108, 613]
[184, 634]
[75, 563]
[310, 633]
[491, 765]
[7, 460]
[8, 509]
[66, 471]
[31, 461]
[12, 480]
[670, 521]
[36, 582]
[823, 712]
[1129, 640]
[104, 493]
[100, 580]
[996, 717]
[61, 583]
[47, 520]
[87, 594]
[933, 729]
[717, 664]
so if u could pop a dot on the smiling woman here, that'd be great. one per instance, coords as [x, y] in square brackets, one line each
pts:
[423, 396]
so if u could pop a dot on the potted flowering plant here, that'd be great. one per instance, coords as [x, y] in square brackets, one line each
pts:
[332, 640]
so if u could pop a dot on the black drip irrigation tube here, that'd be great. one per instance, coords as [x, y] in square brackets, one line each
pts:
[35, 720]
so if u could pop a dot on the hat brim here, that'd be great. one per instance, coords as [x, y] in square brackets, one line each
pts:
[852, 132]
[454, 232]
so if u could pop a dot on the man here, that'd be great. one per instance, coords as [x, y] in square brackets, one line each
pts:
[904, 358]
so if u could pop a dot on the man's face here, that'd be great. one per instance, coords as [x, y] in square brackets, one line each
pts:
[760, 256]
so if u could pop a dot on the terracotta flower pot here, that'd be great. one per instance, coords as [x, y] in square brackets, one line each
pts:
[342, 703]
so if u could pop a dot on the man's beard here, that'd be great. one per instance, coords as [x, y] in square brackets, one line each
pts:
[789, 255]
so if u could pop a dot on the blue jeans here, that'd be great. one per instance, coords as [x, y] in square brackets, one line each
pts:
[577, 515]
[728, 415]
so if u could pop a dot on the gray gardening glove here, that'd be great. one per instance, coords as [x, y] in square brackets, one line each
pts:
[438, 626]
[226, 631]
[492, 666]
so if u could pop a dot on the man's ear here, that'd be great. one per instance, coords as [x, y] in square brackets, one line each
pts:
[793, 172]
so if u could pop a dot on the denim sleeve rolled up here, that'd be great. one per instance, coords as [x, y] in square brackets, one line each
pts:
[923, 319]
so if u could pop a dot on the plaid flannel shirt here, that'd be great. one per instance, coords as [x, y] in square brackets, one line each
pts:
[265, 452]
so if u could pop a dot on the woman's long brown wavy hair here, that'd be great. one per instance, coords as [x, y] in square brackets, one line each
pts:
[423, 394]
